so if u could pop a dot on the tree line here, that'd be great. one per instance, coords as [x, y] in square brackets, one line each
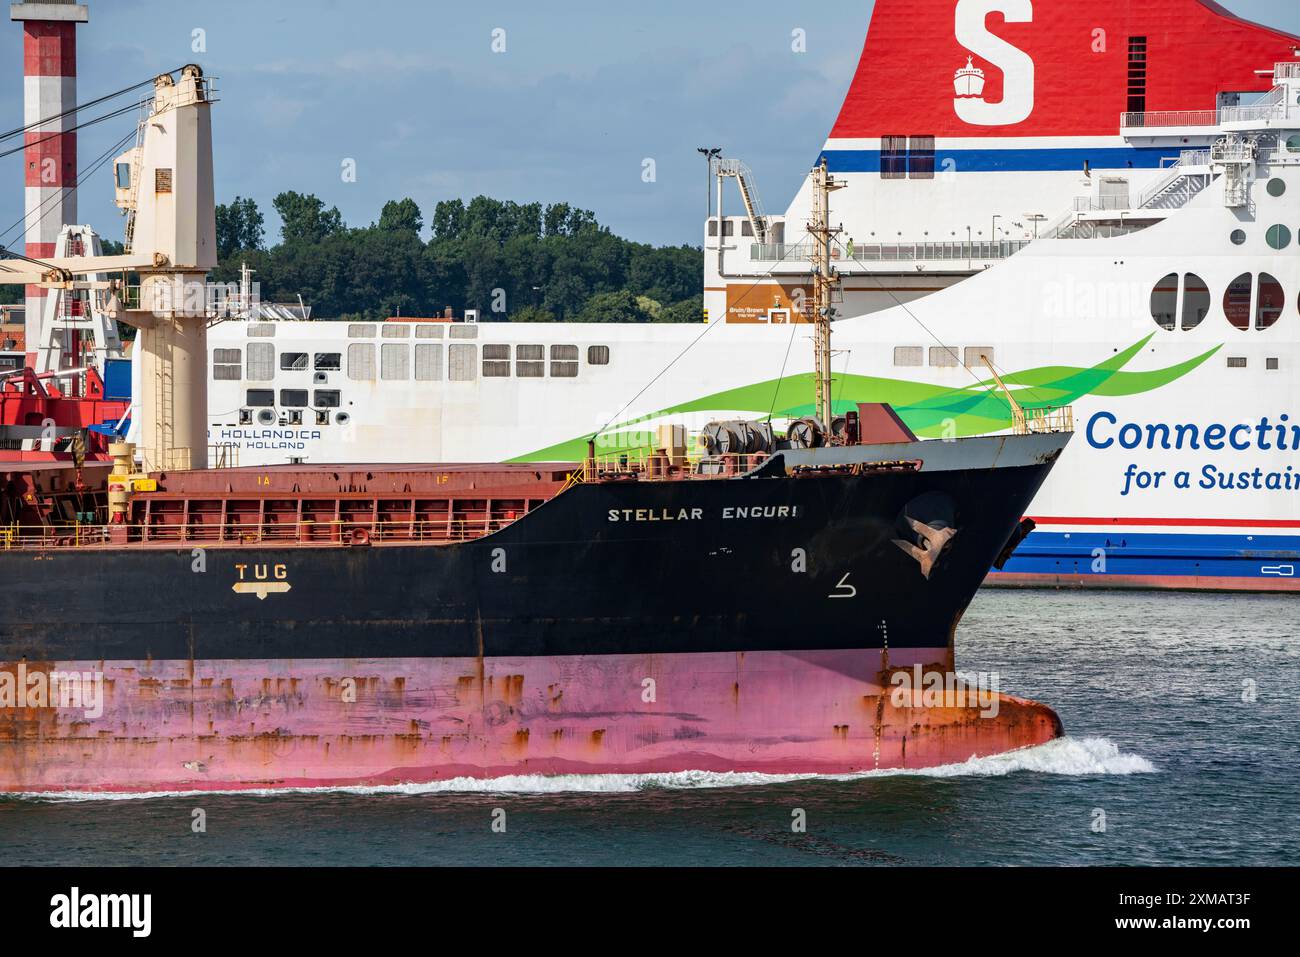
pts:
[519, 262]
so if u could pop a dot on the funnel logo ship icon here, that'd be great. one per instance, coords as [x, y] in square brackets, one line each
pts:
[969, 80]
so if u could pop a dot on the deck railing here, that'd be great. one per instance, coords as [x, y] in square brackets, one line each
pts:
[341, 533]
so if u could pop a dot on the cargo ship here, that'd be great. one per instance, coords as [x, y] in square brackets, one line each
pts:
[300, 626]
[771, 602]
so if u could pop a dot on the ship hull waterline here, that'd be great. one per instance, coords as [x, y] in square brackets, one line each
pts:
[570, 642]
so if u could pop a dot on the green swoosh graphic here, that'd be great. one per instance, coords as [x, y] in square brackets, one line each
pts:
[929, 410]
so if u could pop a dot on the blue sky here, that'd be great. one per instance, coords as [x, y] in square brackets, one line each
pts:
[412, 91]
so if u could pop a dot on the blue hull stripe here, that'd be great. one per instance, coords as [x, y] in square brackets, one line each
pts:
[1013, 160]
[1199, 554]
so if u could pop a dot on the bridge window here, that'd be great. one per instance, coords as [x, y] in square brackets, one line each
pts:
[1269, 301]
[293, 361]
[1164, 302]
[1196, 300]
[1236, 301]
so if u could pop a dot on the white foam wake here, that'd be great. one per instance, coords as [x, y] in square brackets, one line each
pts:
[1066, 756]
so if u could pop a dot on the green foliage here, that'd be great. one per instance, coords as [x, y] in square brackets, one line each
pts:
[521, 262]
[239, 226]
[688, 310]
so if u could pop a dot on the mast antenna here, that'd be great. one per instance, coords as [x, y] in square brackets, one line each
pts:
[826, 286]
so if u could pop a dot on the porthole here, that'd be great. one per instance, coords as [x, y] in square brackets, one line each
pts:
[1269, 301]
[1279, 236]
[1164, 303]
[342, 418]
[1236, 301]
[1196, 301]
[266, 417]
[1276, 187]
[1238, 237]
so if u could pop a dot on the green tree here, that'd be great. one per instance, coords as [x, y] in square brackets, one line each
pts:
[620, 306]
[240, 226]
[304, 218]
[401, 216]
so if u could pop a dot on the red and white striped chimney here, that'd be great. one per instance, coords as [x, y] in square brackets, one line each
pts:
[50, 161]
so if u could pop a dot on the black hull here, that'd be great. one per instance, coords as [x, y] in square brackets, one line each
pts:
[676, 573]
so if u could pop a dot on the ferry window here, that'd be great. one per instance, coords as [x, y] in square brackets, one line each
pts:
[261, 362]
[361, 330]
[1238, 237]
[260, 397]
[597, 355]
[1269, 301]
[746, 229]
[496, 368]
[920, 157]
[226, 364]
[893, 157]
[1271, 363]
[326, 399]
[464, 330]
[395, 362]
[1137, 74]
[1293, 144]
[123, 171]
[1196, 300]
[361, 361]
[530, 361]
[1236, 301]
[1276, 187]
[295, 416]
[245, 416]
[1279, 236]
[909, 356]
[943, 357]
[1236, 362]
[293, 361]
[428, 362]
[564, 362]
[261, 330]
[329, 361]
[293, 398]
[463, 360]
[396, 330]
[974, 356]
[496, 350]
[1164, 302]
[428, 332]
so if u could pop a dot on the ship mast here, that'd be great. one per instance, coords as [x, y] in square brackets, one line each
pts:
[825, 284]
